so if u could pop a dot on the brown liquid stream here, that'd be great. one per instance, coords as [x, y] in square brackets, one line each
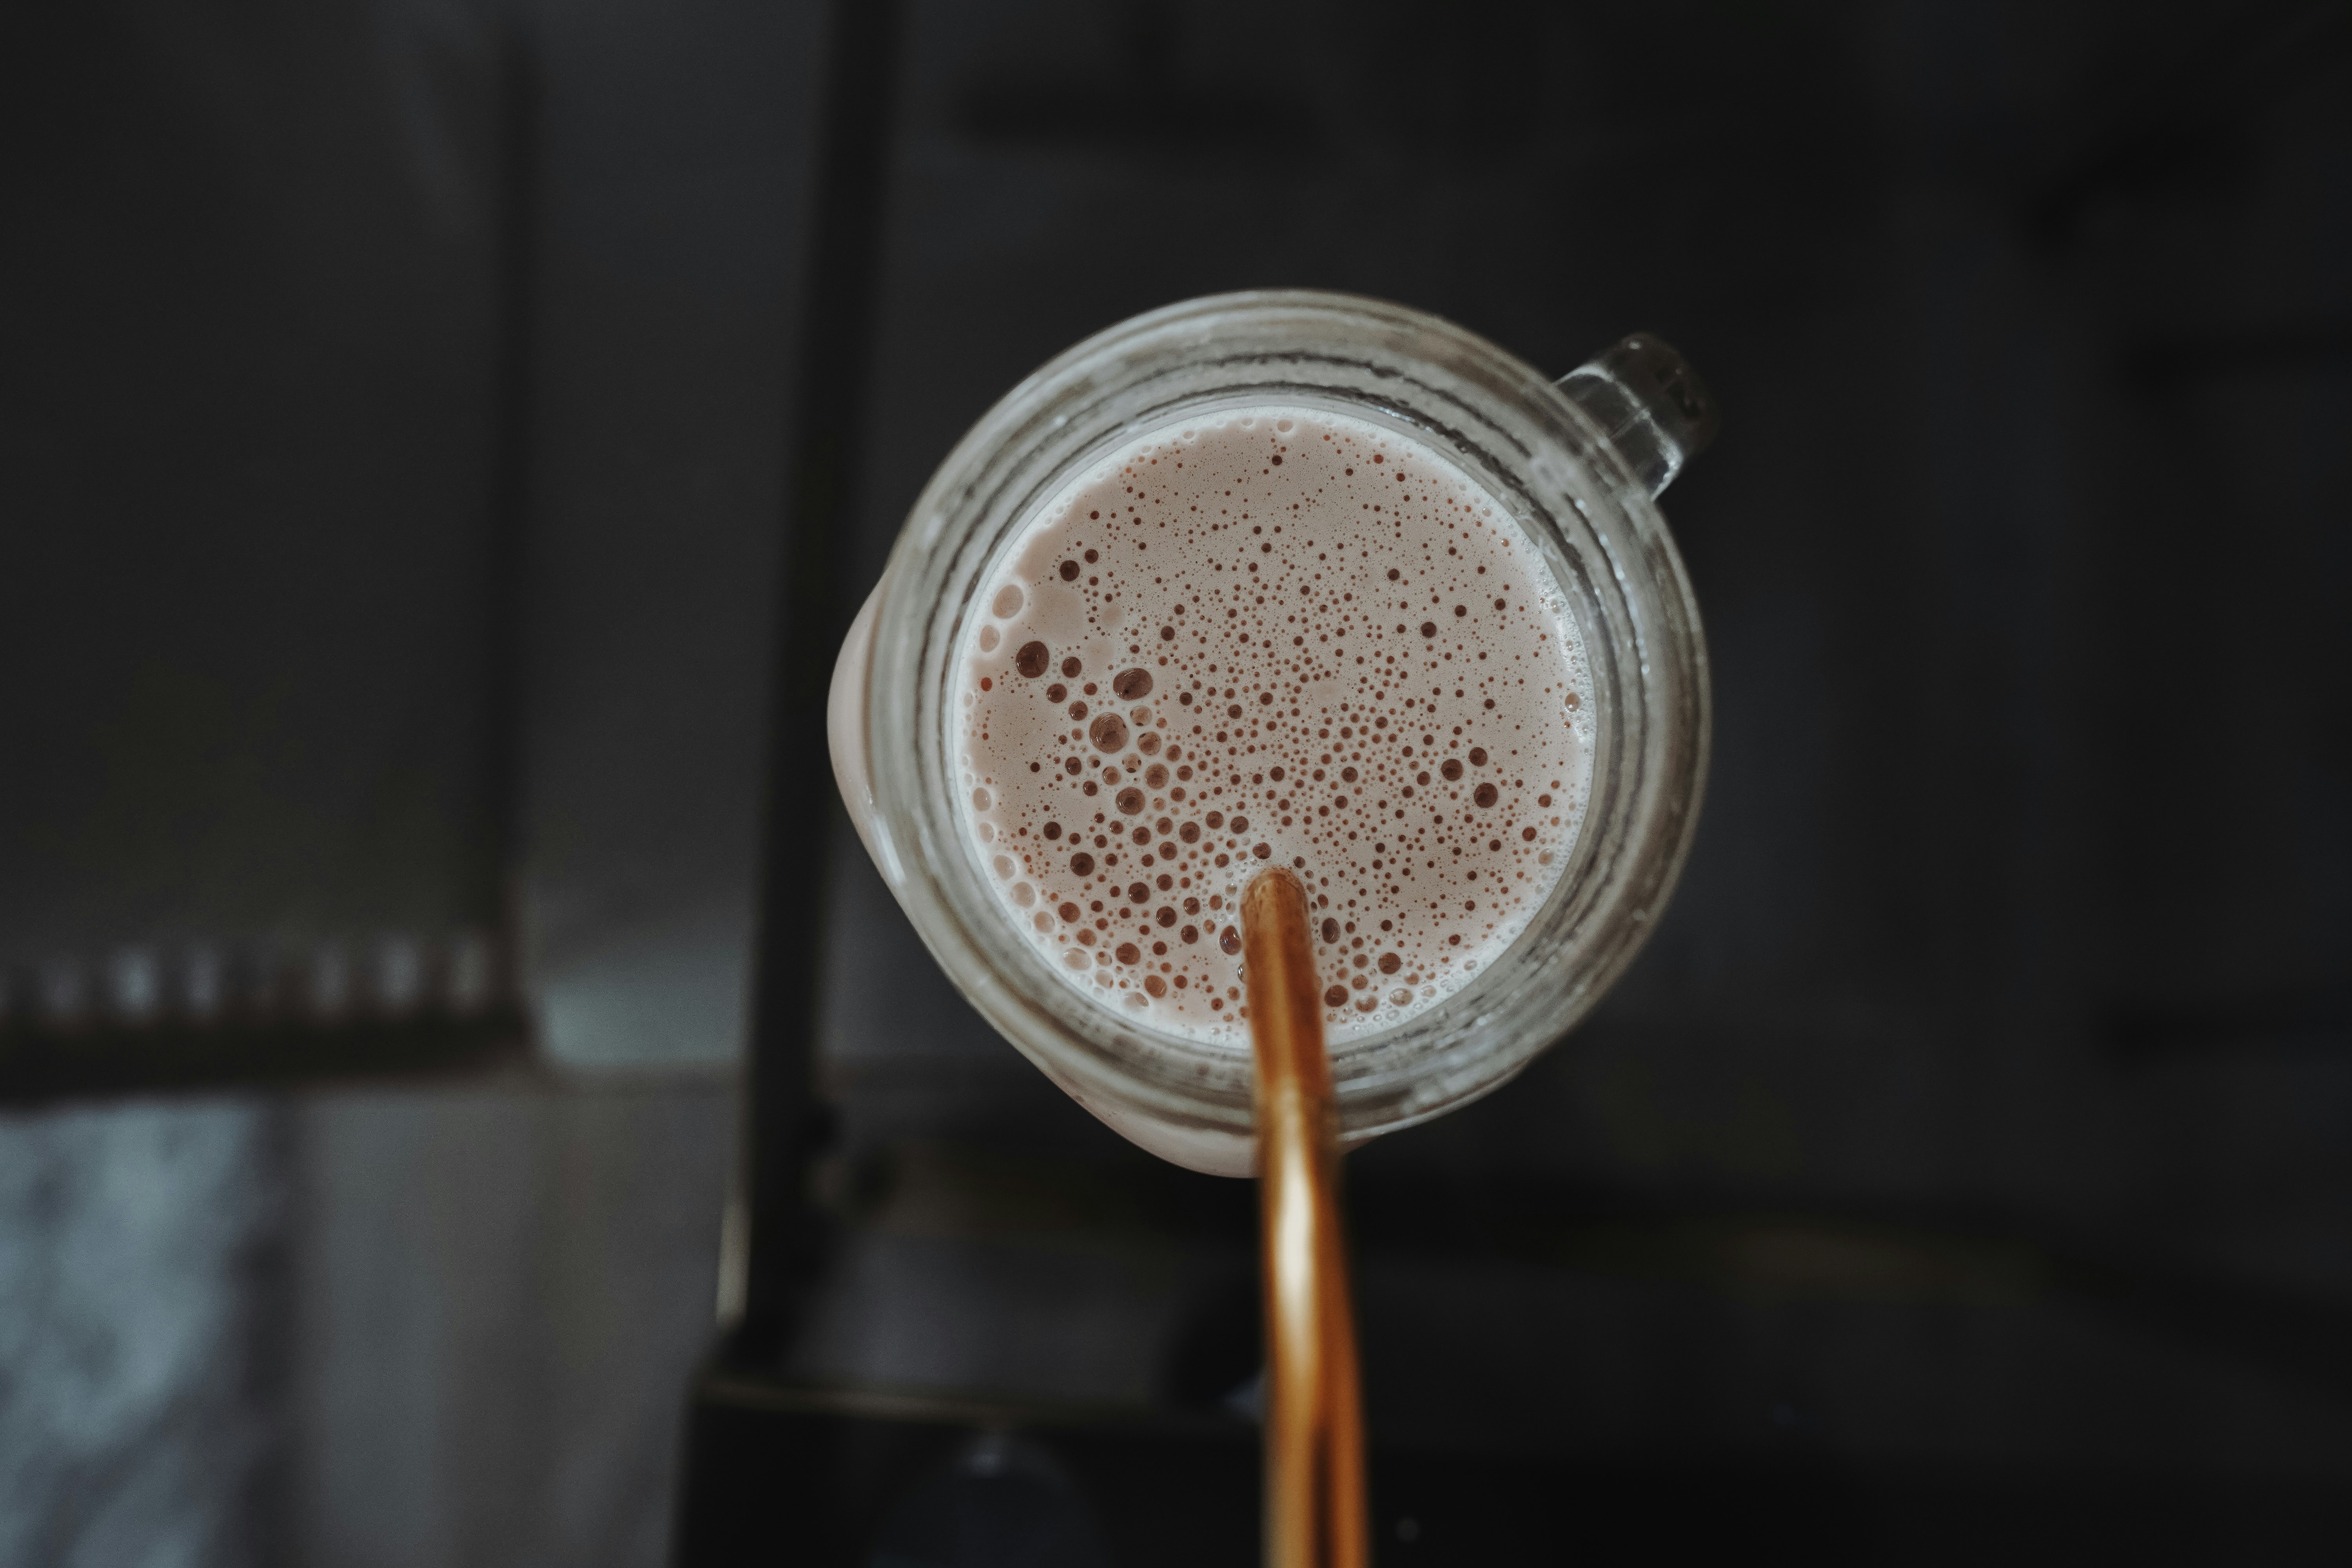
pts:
[1316, 1514]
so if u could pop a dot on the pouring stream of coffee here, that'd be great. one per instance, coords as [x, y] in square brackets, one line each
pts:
[1315, 1515]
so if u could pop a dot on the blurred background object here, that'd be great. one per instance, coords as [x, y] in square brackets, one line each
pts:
[413, 415]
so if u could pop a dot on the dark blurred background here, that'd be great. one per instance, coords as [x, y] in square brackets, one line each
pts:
[434, 435]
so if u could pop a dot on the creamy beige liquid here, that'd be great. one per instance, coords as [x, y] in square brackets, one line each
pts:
[1275, 637]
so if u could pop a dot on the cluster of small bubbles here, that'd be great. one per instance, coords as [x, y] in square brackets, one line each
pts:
[1281, 637]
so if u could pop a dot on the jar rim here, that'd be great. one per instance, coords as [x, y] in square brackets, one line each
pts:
[1599, 531]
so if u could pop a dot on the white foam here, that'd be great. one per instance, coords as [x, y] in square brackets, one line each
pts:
[1242, 565]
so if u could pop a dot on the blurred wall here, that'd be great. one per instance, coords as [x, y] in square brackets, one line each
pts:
[287, 293]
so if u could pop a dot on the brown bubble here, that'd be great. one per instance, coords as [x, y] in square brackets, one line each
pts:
[1486, 795]
[1429, 628]
[1127, 953]
[1190, 833]
[1336, 996]
[1068, 911]
[1156, 775]
[1157, 986]
[1148, 743]
[1056, 691]
[1130, 801]
[1078, 710]
[1081, 863]
[1216, 820]
[1393, 571]
[1190, 933]
[1166, 917]
[1262, 851]
[1031, 660]
[1461, 609]
[1477, 756]
[1451, 768]
[1528, 834]
[1275, 774]
[1069, 571]
[1330, 930]
[1347, 775]
[1132, 684]
[1138, 892]
[1052, 830]
[1107, 732]
[1229, 939]
[1070, 667]
[1390, 964]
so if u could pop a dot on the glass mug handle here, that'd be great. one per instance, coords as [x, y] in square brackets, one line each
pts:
[1651, 404]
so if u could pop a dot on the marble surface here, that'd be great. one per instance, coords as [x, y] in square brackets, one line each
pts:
[394, 1328]
[139, 1291]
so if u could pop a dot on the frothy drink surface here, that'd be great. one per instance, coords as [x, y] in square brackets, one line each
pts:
[1277, 637]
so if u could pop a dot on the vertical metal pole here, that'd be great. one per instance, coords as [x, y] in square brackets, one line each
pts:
[785, 1120]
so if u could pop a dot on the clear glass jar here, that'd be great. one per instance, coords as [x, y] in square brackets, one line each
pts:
[1578, 463]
